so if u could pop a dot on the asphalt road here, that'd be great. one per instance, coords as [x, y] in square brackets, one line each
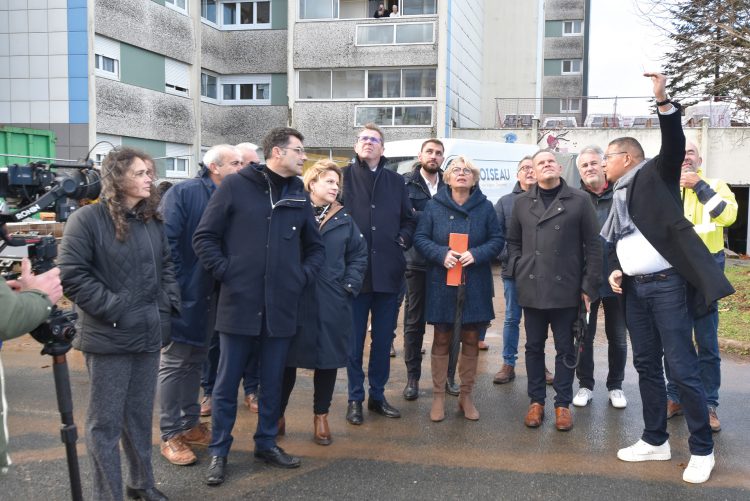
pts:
[408, 458]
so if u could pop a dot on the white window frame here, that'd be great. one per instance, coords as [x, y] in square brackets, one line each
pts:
[106, 48]
[104, 144]
[394, 27]
[337, 9]
[566, 102]
[176, 77]
[572, 65]
[573, 24]
[393, 119]
[219, 24]
[177, 153]
[208, 99]
[172, 4]
[366, 85]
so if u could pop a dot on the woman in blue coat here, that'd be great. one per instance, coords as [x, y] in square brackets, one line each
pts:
[460, 208]
[325, 320]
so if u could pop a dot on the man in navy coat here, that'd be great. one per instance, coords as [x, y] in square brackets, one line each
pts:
[182, 359]
[378, 201]
[259, 238]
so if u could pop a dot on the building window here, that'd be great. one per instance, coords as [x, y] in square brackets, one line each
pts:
[107, 66]
[318, 9]
[246, 14]
[571, 66]
[209, 86]
[394, 116]
[570, 104]
[177, 77]
[355, 9]
[418, 7]
[178, 5]
[395, 34]
[177, 167]
[107, 57]
[248, 93]
[572, 28]
[208, 11]
[406, 83]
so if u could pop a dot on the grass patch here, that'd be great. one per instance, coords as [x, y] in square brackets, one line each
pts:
[734, 311]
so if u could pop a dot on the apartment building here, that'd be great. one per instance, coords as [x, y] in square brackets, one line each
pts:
[174, 77]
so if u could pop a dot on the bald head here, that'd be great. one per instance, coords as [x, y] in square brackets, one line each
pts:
[221, 161]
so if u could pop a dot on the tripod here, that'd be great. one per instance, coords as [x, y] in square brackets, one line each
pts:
[68, 431]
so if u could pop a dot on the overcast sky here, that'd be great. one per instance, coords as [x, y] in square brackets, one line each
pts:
[623, 45]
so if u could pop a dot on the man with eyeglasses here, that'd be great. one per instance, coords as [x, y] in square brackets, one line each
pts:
[526, 178]
[378, 201]
[259, 238]
[555, 256]
[668, 277]
[593, 182]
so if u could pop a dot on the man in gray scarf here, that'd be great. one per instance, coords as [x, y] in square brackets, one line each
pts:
[668, 278]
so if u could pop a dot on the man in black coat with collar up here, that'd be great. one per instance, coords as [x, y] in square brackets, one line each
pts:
[378, 201]
[259, 238]
[668, 277]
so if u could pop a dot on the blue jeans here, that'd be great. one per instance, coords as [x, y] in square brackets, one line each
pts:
[706, 331]
[617, 345]
[512, 321]
[660, 324]
[384, 309]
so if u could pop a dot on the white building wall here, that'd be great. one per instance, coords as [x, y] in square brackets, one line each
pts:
[465, 62]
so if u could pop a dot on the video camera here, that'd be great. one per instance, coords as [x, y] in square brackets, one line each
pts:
[27, 190]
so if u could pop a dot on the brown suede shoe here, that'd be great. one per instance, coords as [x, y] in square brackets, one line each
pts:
[251, 401]
[506, 374]
[176, 451]
[535, 416]
[199, 435]
[563, 419]
[713, 419]
[673, 409]
[206, 406]
[549, 378]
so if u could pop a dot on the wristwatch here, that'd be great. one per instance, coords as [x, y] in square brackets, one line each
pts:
[665, 102]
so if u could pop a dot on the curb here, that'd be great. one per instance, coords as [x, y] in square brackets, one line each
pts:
[735, 346]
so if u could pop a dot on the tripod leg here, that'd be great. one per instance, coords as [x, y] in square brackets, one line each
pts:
[68, 431]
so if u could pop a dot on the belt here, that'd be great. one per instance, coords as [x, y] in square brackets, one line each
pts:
[659, 276]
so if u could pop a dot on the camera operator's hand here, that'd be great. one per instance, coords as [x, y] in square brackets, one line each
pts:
[48, 282]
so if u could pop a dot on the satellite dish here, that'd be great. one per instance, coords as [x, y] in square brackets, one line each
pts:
[510, 137]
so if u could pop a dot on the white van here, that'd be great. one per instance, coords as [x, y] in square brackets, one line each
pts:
[497, 162]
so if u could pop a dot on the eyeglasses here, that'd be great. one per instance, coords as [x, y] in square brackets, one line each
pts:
[525, 168]
[369, 139]
[299, 149]
[461, 170]
[608, 155]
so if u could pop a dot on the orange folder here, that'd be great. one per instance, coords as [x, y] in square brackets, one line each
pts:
[458, 242]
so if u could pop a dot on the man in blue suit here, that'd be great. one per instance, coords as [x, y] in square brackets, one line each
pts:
[259, 238]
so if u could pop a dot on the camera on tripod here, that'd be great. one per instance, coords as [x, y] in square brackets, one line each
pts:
[27, 190]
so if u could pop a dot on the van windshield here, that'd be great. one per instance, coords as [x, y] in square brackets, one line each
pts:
[402, 165]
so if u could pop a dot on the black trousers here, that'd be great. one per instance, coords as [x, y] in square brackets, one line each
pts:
[324, 381]
[414, 324]
[536, 323]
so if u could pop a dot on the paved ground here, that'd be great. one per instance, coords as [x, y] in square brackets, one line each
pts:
[411, 458]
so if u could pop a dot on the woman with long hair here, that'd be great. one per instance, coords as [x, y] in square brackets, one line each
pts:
[115, 266]
[322, 341]
[460, 208]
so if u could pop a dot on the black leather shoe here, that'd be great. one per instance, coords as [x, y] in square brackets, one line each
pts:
[354, 412]
[383, 408]
[275, 456]
[451, 388]
[150, 494]
[411, 392]
[216, 469]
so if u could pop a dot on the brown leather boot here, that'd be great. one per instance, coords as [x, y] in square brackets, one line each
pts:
[176, 451]
[439, 375]
[506, 374]
[467, 370]
[322, 434]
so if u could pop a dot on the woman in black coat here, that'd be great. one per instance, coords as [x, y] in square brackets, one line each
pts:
[325, 320]
[460, 208]
[115, 265]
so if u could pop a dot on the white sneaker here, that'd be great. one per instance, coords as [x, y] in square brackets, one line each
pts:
[699, 469]
[641, 451]
[582, 397]
[617, 399]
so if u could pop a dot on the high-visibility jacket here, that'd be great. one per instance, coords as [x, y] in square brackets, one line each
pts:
[711, 207]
